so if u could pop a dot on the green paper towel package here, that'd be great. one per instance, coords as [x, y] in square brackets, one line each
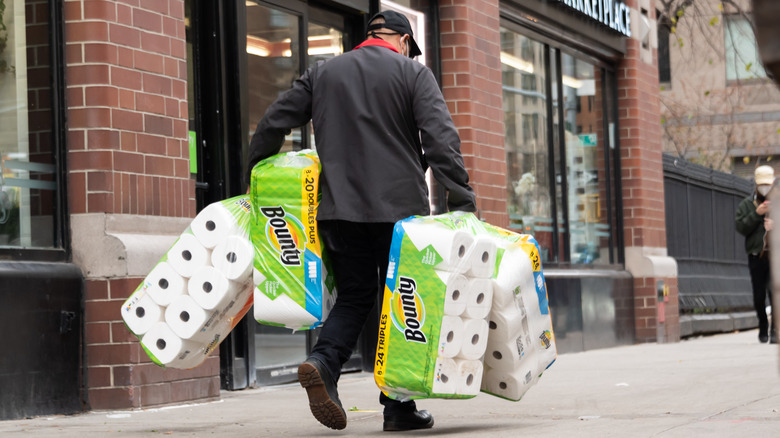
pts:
[294, 286]
[198, 291]
[441, 298]
[428, 345]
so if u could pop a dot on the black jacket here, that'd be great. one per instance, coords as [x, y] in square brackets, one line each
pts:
[371, 108]
[750, 224]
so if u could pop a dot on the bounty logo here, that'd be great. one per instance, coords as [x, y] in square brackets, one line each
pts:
[284, 233]
[408, 311]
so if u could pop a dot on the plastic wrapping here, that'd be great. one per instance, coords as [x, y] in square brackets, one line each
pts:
[294, 287]
[521, 343]
[426, 337]
[198, 291]
[447, 276]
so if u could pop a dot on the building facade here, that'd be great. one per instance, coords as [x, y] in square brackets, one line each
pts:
[719, 108]
[144, 113]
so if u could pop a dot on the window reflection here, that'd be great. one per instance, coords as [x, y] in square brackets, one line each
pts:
[585, 165]
[27, 180]
[272, 45]
[525, 119]
[559, 188]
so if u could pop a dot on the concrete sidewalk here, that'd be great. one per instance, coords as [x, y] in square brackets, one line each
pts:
[717, 386]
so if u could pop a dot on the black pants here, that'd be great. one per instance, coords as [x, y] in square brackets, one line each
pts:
[358, 255]
[761, 279]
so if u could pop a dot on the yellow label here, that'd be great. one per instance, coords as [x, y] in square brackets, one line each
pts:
[533, 255]
[382, 345]
[309, 190]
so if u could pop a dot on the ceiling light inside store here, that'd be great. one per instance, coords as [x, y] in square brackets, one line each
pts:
[257, 46]
[571, 82]
[525, 66]
[516, 63]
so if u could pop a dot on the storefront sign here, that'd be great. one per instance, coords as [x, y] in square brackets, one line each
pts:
[612, 13]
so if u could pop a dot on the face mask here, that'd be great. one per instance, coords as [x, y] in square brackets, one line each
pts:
[763, 190]
[406, 47]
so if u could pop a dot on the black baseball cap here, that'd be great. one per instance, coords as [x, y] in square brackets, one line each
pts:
[399, 23]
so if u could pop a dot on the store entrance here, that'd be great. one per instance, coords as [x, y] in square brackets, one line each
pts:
[281, 42]
[241, 55]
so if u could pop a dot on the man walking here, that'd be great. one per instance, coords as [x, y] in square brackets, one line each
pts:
[379, 121]
[753, 222]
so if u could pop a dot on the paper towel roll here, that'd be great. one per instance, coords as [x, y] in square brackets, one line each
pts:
[211, 289]
[213, 224]
[164, 284]
[515, 269]
[456, 286]
[509, 355]
[469, 377]
[187, 255]
[475, 338]
[170, 350]
[445, 376]
[482, 258]
[234, 257]
[452, 246]
[450, 336]
[281, 310]
[510, 385]
[140, 313]
[186, 318]
[505, 325]
[479, 298]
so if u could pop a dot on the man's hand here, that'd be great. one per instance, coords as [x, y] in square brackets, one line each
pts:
[762, 208]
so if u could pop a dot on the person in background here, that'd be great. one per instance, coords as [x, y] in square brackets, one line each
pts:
[379, 121]
[753, 222]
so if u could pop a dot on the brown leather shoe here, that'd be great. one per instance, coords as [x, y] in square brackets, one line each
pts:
[323, 397]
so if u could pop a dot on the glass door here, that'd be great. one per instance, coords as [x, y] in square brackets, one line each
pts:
[282, 40]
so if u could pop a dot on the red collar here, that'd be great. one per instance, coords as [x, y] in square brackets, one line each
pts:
[377, 42]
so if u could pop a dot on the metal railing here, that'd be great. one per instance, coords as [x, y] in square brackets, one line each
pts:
[701, 204]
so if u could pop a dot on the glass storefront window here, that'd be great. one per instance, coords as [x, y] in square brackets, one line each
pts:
[273, 62]
[585, 168]
[325, 42]
[559, 158]
[525, 119]
[27, 172]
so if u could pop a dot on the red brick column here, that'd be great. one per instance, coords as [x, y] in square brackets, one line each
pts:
[656, 319]
[128, 157]
[471, 81]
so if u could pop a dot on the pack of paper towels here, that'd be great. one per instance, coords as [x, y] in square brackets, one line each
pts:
[294, 287]
[198, 291]
[458, 293]
[521, 343]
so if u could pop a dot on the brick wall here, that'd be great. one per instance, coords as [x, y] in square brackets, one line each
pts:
[642, 181]
[127, 108]
[119, 373]
[471, 83]
[128, 155]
